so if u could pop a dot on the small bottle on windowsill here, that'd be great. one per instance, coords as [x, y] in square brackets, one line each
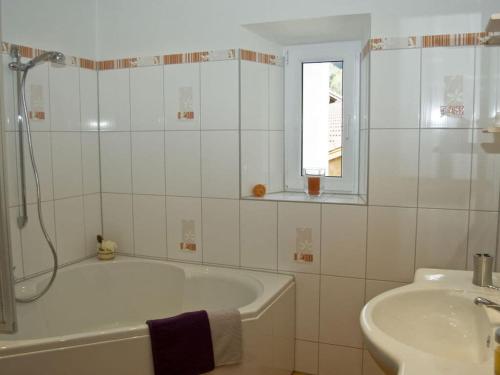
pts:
[313, 181]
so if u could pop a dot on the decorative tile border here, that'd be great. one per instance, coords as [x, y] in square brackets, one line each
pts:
[374, 44]
[170, 59]
[133, 62]
[429, 41]
[263, 58]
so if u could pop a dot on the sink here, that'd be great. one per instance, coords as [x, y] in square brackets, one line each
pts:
[432, 326]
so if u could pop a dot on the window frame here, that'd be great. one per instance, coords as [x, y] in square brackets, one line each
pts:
[295, 56]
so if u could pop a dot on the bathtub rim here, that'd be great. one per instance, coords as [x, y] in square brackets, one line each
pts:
[279, 283]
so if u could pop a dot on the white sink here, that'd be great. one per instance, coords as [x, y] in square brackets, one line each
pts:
[432, 326]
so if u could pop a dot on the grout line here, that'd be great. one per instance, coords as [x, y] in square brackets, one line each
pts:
[471, 159]
[163, 83]
[51, 150]
[98, 108]
[320, 281]
[86, 246]
[132, 234]
[415, 243]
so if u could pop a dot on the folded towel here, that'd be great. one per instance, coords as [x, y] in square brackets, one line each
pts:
[182, 345]
[225, 327]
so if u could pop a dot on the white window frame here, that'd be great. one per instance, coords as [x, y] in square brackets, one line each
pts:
[295, 56]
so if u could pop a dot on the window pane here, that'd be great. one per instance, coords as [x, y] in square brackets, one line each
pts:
[322, 116]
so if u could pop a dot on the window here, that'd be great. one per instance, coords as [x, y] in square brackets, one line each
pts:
[321, 114]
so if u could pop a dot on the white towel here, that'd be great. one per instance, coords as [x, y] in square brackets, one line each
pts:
[225, 327]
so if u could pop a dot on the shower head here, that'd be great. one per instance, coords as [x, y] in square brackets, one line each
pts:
[52, 56]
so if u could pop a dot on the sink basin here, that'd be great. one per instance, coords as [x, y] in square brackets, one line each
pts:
[432, 326]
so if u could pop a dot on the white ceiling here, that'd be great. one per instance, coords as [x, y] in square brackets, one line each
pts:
[314, 30]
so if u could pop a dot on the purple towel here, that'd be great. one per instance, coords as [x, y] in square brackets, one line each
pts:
[182, 345]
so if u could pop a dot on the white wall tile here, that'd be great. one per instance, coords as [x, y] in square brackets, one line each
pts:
[276, 97]
[220, 164]
[70, 229]
[90, 162]
[150, 226]
[148, 163]
[306, 356]
[254, 160]
[376, 287]
[146, 98]
[291, 218]
[37, 96]
[36, 252]
[43, 158]
[391, 243]
[220, 220]
[440, 65]
[276, 164]
[343, 240]
[394, 167]
[179, 209]
[341, 301]
[307, 306]
[395, 89]
[485, 184]
[363, 163]
[11, 161]
[64, 97]
[9, 96]
[254, 95]
[116, 169]
[220, 95]
[259, 234]
[183, 164]
[487, 86]
[177, 78]
[67, 164]
[114, 99]
[482, 234]
[441, 239]
[117, 220]
[339, 360]
[445, 168]
[88, 99]
[93, 221]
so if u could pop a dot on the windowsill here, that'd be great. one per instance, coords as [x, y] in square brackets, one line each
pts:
[291, 196]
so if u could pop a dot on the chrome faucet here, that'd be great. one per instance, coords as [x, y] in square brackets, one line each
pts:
[487, 303]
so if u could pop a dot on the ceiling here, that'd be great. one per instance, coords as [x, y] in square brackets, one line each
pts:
[314, 30]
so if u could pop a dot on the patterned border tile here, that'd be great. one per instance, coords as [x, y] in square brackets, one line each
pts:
[374, 44]
[259, 57]
[133, 62]
[430, 41]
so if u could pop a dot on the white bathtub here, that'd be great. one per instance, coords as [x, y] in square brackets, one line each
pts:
[92, 321]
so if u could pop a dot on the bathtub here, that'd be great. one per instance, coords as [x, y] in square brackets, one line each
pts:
[92, 321]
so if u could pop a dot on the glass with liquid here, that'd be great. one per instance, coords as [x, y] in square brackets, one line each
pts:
[313, 181]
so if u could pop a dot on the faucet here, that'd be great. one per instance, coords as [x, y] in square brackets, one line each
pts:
[483, 276]
[487, 303]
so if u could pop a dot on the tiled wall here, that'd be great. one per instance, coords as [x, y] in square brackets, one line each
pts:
[172, 185]
[65, 140]
[165, 179]
[261, 127]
